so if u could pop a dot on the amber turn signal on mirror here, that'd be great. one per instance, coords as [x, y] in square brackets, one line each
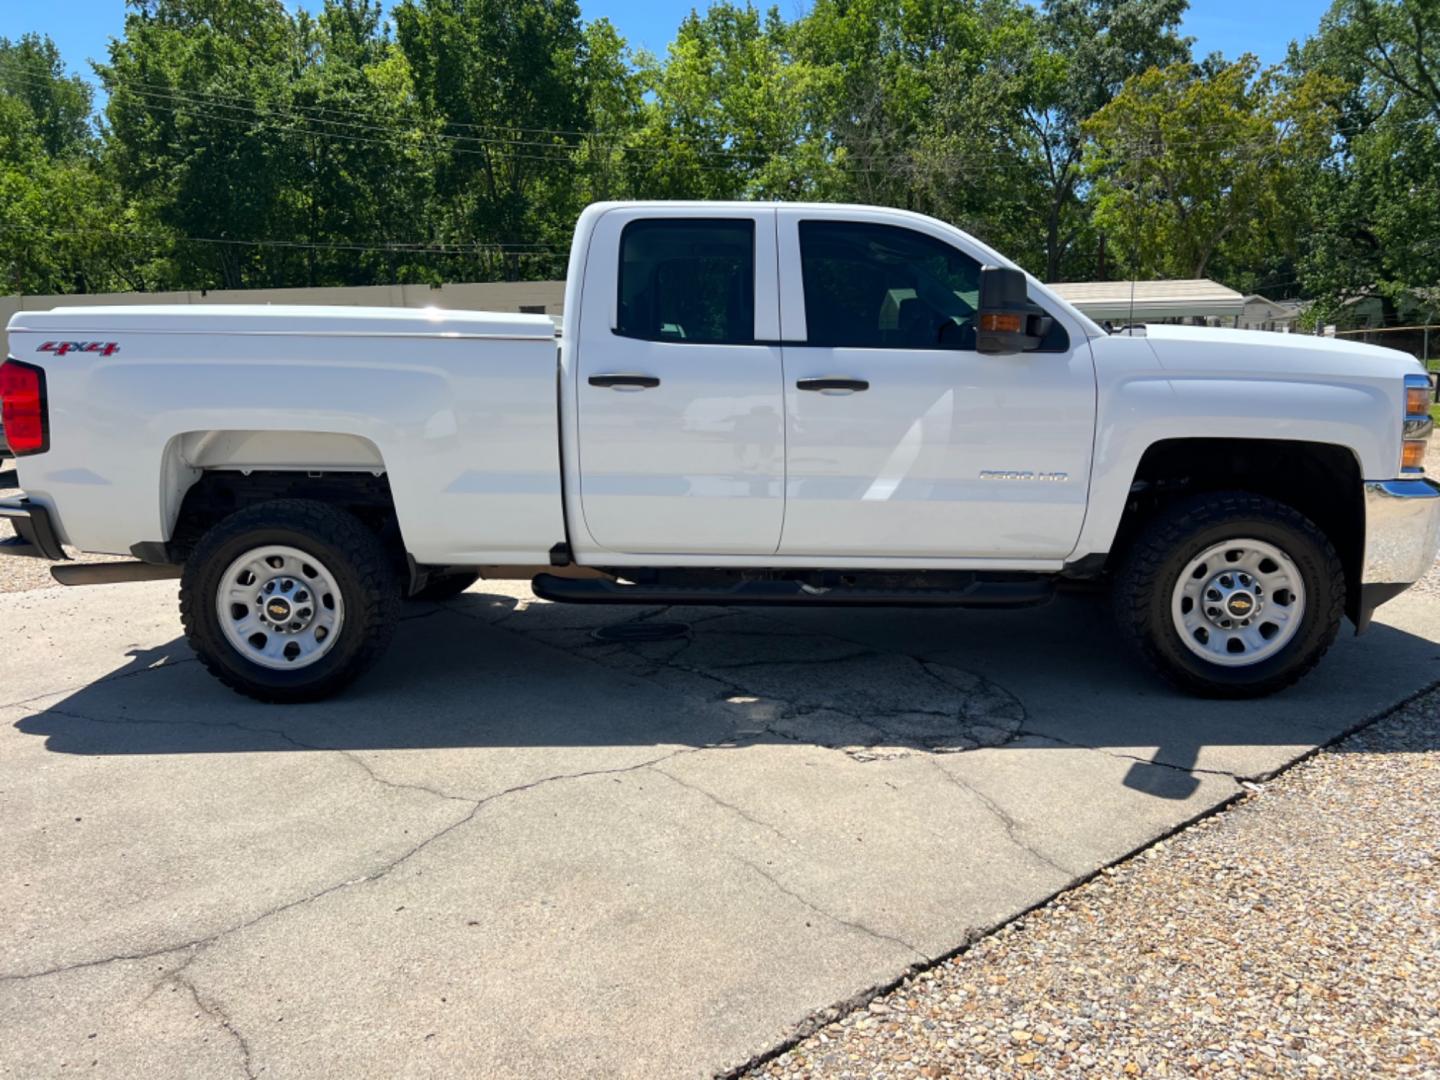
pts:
[1002, 322]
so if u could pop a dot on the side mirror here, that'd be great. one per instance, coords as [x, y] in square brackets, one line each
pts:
[1008, 322]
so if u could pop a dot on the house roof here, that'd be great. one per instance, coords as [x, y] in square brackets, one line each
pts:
[1151, 299]
[1282, 309]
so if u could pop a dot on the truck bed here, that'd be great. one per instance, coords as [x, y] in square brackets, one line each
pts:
[456, 408]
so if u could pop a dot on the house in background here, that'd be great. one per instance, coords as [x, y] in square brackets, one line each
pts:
[1195, 301]
[1261, 313]
[1411, 323]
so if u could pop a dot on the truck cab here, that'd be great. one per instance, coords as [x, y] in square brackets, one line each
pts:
[792, 383]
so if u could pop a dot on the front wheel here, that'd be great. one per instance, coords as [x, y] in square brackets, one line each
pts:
[1230, 595]
[288, 600]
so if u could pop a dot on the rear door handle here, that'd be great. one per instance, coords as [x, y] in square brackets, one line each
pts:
[832, 384]
[621, 381]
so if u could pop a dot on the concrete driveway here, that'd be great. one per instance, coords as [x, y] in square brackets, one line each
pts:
[517, 850]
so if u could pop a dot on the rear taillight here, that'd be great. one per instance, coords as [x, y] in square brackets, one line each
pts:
[23, 408]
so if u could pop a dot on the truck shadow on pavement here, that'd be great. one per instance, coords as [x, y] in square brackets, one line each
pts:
[495, 671]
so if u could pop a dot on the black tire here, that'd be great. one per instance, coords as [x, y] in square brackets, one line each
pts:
[446, 586]
[1147, 577]
[353, 555]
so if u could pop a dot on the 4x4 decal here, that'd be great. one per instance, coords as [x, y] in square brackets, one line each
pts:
[60, 348]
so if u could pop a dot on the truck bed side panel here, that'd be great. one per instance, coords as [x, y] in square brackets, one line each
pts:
[465, 427]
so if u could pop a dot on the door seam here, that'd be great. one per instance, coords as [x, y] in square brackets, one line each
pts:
[784, 400]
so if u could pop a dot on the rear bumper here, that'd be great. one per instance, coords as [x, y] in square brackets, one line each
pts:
[37, 535]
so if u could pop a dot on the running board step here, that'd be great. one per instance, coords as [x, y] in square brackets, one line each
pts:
[976, 594]
[111, 573]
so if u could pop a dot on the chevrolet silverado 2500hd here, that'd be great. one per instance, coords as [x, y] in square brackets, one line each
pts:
[749, 404]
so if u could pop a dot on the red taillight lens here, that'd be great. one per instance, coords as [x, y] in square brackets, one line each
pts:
[23, 408]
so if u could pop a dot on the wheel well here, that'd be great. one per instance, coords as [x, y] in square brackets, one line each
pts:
[1320, 480]
[191, 455]
[219, 493]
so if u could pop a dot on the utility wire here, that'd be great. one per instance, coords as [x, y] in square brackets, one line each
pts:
[179, 103]
[201, 97]
[399, 248]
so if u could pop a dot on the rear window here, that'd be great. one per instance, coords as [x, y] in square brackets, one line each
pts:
[688, 280]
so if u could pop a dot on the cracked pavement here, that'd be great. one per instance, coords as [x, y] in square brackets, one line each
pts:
[517, 850]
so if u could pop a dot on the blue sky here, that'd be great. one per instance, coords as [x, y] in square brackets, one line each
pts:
[1265, 27]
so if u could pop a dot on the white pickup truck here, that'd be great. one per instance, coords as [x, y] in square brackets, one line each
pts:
[749, 404]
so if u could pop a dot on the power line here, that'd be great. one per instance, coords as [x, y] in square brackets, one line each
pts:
[205, 98]
[400, 248]
[177, 103]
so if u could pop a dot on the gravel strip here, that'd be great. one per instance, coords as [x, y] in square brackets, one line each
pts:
[1296, 934]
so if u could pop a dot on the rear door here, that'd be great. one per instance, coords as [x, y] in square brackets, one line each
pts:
[679, 404]
[902, 439]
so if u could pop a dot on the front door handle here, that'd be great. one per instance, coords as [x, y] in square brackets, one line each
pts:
[623, 381]
[832, 384]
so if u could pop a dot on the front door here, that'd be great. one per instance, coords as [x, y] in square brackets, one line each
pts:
[902, 440]
[680, 409]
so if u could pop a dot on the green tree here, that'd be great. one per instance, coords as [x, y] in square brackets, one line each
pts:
[973, 110]
[502, 80]
[731, 113]
[614, 94]
[260, 148]
[1194, 165]
[361, 169]
[196, 93]
[61, 223]
[921, 105]
[1085, 53]
[60, 104]
[889, 66]
[252, 143]
[1375, 203]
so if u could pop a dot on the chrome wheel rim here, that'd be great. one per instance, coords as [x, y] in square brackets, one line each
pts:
[280, 607]
[1238, 602]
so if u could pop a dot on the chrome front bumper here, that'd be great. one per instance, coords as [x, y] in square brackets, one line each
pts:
[1402, 531]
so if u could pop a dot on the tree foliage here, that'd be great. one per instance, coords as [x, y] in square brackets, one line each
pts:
[251, 143]
[1198, 165]
[1374, 205]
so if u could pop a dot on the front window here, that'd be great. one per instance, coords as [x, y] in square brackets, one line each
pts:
[884, 287]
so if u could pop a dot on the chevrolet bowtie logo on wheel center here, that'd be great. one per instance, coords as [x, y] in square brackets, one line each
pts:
[278, 609]
[1240, 605]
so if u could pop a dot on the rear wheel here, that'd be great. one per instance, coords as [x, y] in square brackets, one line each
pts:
[1231, 595]
[288, 600]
